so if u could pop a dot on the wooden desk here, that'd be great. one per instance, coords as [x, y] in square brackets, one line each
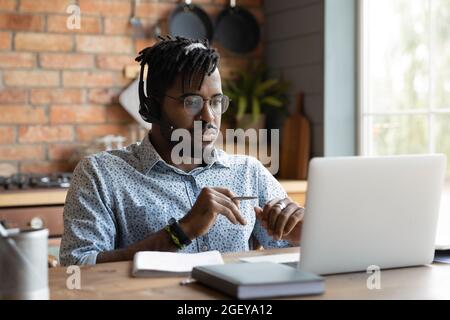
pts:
[113, 281]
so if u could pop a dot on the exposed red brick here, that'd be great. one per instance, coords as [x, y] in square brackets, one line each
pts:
[17, 60]
[117, 26]
[154, 9]
[88, 133]
[24, 22]
[22, 152]
[140, 44]
[66, 61]
[10, 95]
[46, 96]
[7, 135]
[103, 96]
[89, 79]
[23, 78]
[43, 42]
[103, 44]
[31, 134]
[5, 40]
[55, 6]
[115, 62]
[22, 114]
[77, 114]
[7, 5]
[106, 7]
[87, 24]
[122, 26]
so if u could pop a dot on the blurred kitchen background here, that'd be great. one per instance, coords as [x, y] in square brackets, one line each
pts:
[339, 77]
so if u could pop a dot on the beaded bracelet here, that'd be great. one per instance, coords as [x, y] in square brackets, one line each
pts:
[174, 238]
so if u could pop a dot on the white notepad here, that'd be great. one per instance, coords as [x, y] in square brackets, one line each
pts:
[159, 263]
[276, 258]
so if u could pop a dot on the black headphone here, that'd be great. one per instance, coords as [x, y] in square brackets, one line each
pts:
[148, 105]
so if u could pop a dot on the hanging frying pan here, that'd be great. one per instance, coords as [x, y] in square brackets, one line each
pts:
[237, 29]
[189, 21]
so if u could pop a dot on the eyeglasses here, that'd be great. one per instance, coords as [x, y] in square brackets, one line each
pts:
[193, 104]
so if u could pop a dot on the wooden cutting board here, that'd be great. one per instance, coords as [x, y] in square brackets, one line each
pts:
[296, 144]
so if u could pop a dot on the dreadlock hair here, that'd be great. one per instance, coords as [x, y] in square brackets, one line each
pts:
[170, 57]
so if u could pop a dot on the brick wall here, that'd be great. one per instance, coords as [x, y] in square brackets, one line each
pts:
[59, 87]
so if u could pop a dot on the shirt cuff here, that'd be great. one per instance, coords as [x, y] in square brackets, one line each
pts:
[89, 259]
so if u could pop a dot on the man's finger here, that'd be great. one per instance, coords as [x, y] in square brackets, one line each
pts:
[226, 202]
[258, 212]
[228, 193]
[267, 208]
[282, 219]
[225, 194]
[294, 219]
[272, 218]
[225, 211]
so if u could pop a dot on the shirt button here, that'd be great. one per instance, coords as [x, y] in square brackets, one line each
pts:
[205, 248]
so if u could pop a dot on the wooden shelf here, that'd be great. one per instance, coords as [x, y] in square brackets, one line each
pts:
[32, 197]
[294, 186]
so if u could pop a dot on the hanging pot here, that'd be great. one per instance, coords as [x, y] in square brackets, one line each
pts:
[237, 29]
[190, 21]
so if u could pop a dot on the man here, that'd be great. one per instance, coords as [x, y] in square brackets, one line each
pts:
[140, 198]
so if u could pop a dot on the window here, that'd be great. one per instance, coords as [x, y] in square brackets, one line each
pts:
[405, 82]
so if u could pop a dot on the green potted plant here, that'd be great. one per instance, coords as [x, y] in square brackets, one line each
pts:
[254, 95]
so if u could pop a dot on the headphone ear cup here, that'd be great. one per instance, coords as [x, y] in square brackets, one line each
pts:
[149, 107]
[150, 110]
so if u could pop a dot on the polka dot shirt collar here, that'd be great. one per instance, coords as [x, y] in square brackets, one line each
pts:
[149, 157]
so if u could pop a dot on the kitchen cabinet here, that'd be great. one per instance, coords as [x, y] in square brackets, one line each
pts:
[34, 208]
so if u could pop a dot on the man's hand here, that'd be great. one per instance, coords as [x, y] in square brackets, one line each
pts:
[210, 203]
[282, 219]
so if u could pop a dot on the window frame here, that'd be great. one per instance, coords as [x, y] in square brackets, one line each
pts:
[363, 114]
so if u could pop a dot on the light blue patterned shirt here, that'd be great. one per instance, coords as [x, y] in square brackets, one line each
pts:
[119, 197]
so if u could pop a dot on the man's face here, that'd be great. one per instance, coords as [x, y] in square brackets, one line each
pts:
[176, 115]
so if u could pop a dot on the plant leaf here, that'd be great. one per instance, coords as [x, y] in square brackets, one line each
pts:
[264, 86]
[256, 109]
[272, 101]
[242, 107]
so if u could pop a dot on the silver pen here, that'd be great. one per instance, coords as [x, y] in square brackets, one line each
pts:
[244, 198]
[187, 281]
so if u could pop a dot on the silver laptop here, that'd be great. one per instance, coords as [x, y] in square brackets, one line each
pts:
[364, 211]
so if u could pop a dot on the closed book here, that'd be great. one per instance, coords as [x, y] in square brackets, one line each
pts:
[259, 280]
